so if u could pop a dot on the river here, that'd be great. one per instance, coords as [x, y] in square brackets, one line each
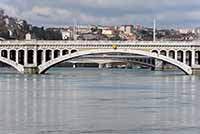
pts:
[93, 101]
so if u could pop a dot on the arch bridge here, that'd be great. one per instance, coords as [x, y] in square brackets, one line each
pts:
[37, 56]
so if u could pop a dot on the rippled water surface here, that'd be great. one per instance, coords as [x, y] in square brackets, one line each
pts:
[92, 101]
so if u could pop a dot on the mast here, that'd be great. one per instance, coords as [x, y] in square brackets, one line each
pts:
[154, 30]
[75, 30]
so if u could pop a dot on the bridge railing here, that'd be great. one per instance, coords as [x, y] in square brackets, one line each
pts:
[101, 42]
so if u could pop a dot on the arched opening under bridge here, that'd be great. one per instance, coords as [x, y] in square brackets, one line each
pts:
[184, 67]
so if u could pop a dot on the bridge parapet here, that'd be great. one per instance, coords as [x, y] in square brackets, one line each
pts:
[51, 42]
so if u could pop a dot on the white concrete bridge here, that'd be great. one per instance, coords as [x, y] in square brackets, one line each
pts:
[33, 56]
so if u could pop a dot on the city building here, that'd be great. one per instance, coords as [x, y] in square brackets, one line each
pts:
[67, 34]
[28, 36]
[1, 12]
[89, 36]
[126, 28]
[186, 30]
[108, 32]
[83, 29]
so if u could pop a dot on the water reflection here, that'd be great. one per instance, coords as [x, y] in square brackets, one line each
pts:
[99, 102]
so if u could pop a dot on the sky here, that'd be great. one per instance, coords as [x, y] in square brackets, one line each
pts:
[57, 13]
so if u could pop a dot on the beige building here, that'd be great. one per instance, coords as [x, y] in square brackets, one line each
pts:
[107, 32]
[126, 28]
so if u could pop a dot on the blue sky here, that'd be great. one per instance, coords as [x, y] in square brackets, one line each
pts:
[168, 13]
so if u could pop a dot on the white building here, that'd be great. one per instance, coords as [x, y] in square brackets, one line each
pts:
[83, 29]
[107, 32]
[197, 30]
[186, 30]
[28, 36]
[126, 28]
[66, 34]
[121, 28]
[7, 21]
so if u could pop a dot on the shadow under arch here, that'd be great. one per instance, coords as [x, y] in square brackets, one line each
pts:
[44, 67]
[140, 63]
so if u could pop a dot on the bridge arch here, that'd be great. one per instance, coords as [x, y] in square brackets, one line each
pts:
[20, 57]
[44, 67]
[13, 64]
[12, 55]
[65, 52]
[188, 57]
[56, 53]
[4, 53]
[197, 57]
[172, 54]
[2, 39]
[74, 51]
[48, 55]
[155, 51]
[180, 55]
[163, 52]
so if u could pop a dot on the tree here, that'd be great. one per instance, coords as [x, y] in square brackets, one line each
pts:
[116, 37]
[5, 34]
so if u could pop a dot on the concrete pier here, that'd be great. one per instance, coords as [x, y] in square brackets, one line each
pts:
[101, 66]
[31, 70]
[74, 65]
[196, 71]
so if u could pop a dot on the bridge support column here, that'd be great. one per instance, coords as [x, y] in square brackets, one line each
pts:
[74, 65]
[43, 56]
[108, 65]
[193, 58]
[31, 70]
[158, 65]
[52, 54]
[176, 55]
[17, 56]
[184, 57]
[35, 57]
[196, 71]
[100, 65]
[9, 54]
[167, 53]
[25, 57]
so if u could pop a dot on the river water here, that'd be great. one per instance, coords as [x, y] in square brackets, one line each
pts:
[93, 101]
